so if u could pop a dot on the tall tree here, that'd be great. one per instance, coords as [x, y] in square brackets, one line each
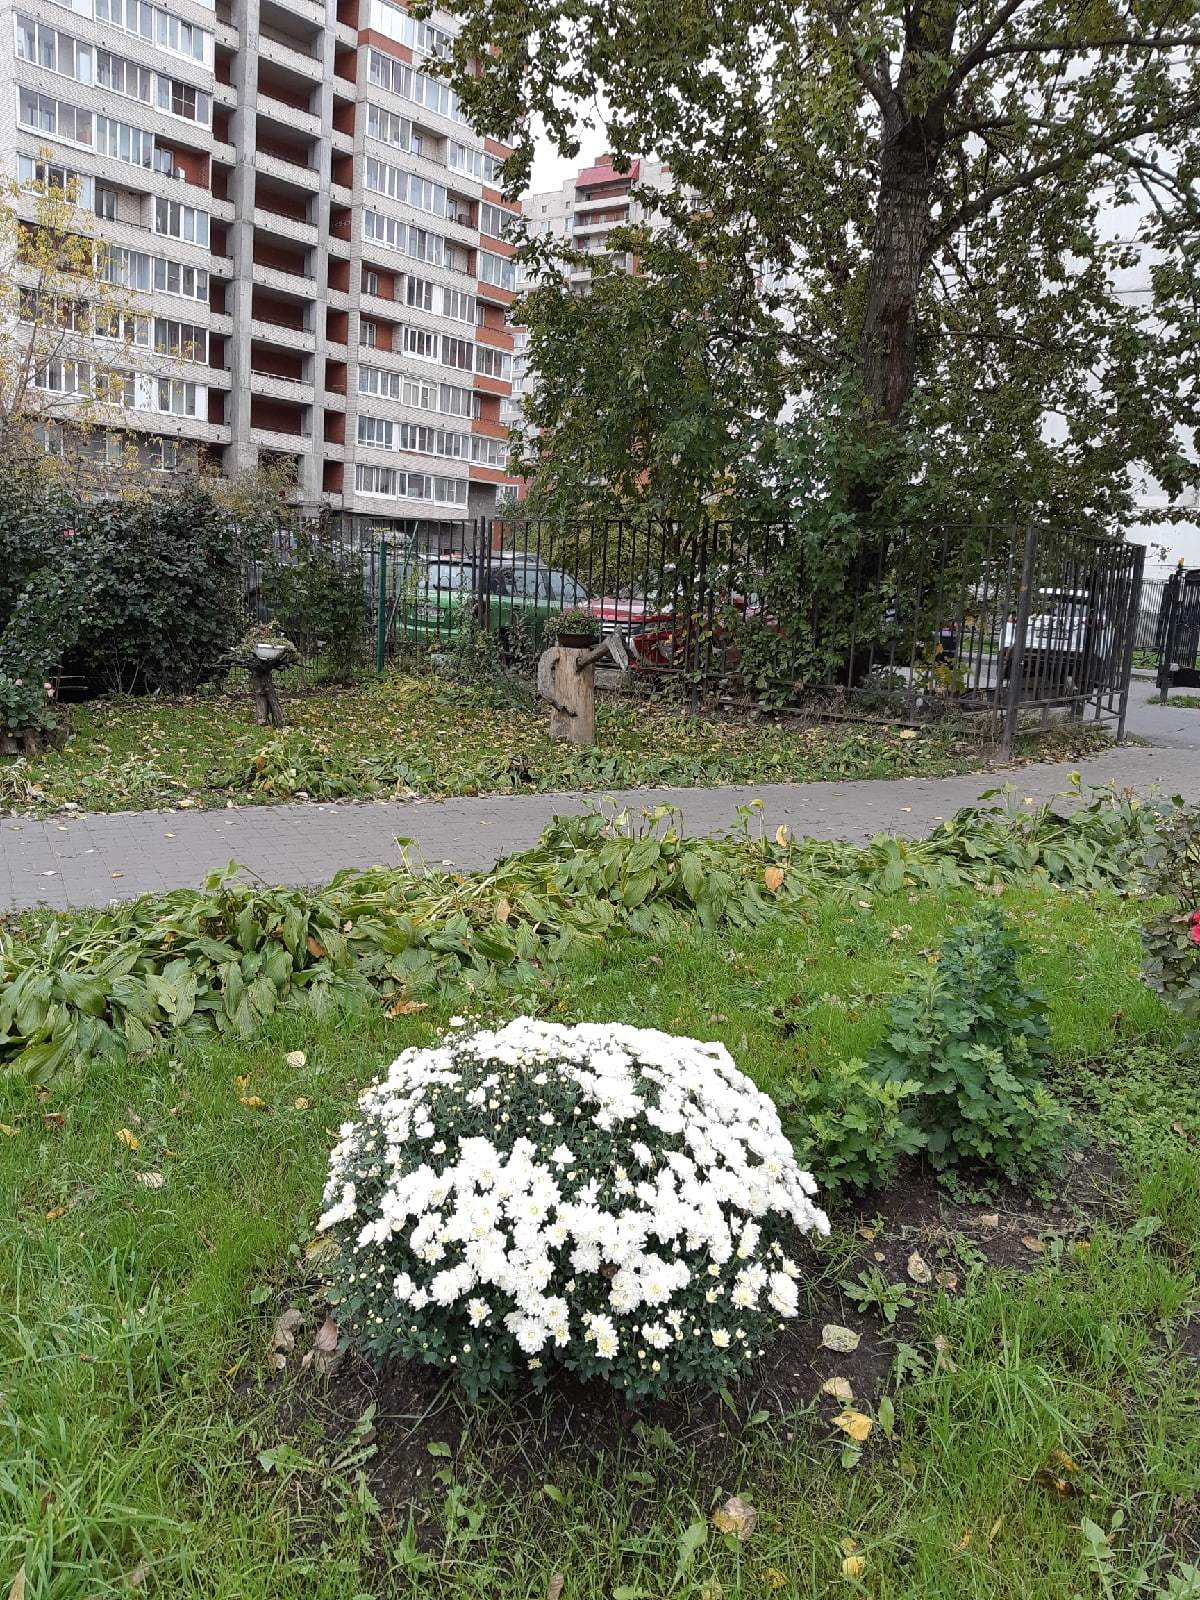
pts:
[947, 198]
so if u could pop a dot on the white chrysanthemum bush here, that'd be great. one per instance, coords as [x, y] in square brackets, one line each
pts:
[609, 1200]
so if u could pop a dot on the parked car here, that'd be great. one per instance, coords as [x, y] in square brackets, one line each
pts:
[1068, 641]
[521, 589]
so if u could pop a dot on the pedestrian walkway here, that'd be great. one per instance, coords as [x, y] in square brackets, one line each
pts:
[91, 860]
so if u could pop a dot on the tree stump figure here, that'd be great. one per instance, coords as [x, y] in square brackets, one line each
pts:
[262, 652]
[566, 679]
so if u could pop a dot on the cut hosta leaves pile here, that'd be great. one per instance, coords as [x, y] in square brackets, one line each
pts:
[225, 958]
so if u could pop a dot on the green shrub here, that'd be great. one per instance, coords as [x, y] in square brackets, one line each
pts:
[1171, 934]
[975, 1040]
[850, 1127]
[317, 596]
[25, 706]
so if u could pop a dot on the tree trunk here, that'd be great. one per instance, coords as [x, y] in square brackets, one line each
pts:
[268, 708]
[571, 694]
[888, 342]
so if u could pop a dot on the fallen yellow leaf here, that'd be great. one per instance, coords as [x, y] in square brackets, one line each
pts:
[853, 1566]
[856, 1423]
[58, 1211]
[406, 1008]
[127, 1138]
[243, 1082]
[908, 733]
[301, 1103]
[1030, 1243]
[774, 1579]
[255, 1102]
[773, 878]
[736, 1516]
[839, 1389]
[7, 1129]
[781, 835]
[502, 910]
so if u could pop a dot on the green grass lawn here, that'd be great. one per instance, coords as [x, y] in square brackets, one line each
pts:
[158, 1215]
[421, 735]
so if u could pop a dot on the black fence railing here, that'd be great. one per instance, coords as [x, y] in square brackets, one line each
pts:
[993, 620]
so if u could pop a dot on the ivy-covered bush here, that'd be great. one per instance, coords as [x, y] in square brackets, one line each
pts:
[126, 594]
[1171, 933]
[975, 1038]
[608, 1200]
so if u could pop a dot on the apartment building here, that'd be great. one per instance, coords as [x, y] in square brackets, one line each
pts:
[311, 237]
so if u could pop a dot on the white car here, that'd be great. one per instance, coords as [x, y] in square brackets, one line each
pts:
[1067, 642]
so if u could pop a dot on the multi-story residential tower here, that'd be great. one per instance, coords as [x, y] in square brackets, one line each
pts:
[311, 235]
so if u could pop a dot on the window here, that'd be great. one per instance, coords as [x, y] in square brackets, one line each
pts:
[370, 281]
[462, 158]
[123, 325]
[378, 380]
[64, 377]
[190, 283]
[176, 396]
[374, 480]
[458, 304]
[398, 77]
[44, 114]
[456, 402]
[493, 363]
[122, 76]
[457, 352]
[450, 491]
[163, 454]
[184, 100]
[181, 222]
[376, 432]
[497, 270]
[368, 333]
[185, 340]
[124, 143]
[389, 128]
[33, 172]
[494, 221]
[418, 292]
[421, 342]
[489, 452]
[400, 25]
[106, 203]
[157, 27]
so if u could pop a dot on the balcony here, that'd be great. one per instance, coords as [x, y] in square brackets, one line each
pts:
[276, 224]
[286, 170]
[277, 387]
[302, 286]
[284, 56]
[288, 338]
[271, 108]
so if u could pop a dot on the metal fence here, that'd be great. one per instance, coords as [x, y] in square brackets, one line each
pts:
[991, 620]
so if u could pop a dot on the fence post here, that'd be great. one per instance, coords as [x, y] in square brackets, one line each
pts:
[1166, 660]
[1132, 615]
[1016, 658]
[381, 606]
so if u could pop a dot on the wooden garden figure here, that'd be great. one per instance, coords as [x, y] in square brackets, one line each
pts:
[566, 676]
[262, 652]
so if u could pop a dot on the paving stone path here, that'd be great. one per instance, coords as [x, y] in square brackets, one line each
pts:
[91, 860]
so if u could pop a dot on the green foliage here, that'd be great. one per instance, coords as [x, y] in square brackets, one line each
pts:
[1171, 934]
[25, 706]
[317, 596]
[575, 620]
[849, 1126]
[134, 594]
[90, 987]
[974, 1039]
[871, 1291]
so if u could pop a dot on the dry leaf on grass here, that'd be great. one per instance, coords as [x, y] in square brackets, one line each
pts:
[773, 878]
[942, 1347]
[918, 1268]
[554, 1588]
[406, 1008]
[736, 1516]
[127, 1138]
[138, 1576]
[254, 1102]
[843, 1340]
[16, 1589]
[855, 1423]
[150, 1180]
[7, 1129]
[853, 1566]
[1030, 1243]
[838, 1389]
[296, 1059]
[503, 910]
[320, 1357]
[283, 1337]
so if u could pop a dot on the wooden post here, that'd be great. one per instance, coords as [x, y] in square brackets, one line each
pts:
[566, 678]
[268, 708]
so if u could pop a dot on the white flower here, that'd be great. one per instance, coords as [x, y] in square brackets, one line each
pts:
[547, 1119]
[783, 1297]
[720, 1338]
[562, 1157]
[478, 1311]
